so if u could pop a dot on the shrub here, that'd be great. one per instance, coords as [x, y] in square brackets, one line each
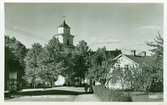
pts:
[106, 94]
[156, 87]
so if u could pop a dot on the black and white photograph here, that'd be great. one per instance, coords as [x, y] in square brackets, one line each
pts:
[83, 52]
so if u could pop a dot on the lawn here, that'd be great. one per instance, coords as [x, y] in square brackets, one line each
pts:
[150, 97]
[106, 94]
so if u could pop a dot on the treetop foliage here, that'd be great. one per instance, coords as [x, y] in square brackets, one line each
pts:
[76, 64]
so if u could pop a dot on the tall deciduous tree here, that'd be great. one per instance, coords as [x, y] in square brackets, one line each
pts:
[51, 63]
[81, 60]
[157, 67]
[32, 63]
[12, 64]
[19, 51]
[17, 48]
[99, 66]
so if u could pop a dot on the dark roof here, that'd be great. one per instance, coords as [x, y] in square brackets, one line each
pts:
[110, 53]
[63, 34]
[141, 59]
[113, 53]
[64, 25]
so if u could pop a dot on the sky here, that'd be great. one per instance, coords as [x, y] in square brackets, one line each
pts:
[122, 26]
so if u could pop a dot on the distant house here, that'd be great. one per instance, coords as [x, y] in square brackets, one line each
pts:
[125, 62]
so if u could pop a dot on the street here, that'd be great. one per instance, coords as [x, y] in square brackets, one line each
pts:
[57, 94]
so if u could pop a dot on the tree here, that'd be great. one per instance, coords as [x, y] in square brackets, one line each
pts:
[150, 75]
[17, 48]
[50, 72]
[157, 66]
[19, 51]
[51, 63]
[99, 66]
[77, 63]
[32, 63]
[157, 54]
[157, 47]
[68, 60]
[12, 64]
[82, 48]
[54, 48]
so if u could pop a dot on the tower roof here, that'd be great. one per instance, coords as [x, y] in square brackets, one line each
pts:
[64, 25]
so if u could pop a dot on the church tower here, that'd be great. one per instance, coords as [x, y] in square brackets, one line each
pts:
[64, 35]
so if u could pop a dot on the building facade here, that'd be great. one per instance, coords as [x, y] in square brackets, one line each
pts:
[127, 62]
[64, 35]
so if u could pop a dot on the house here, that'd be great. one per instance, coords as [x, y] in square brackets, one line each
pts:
[126, 62]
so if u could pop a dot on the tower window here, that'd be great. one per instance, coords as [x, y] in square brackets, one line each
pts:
[68, 42]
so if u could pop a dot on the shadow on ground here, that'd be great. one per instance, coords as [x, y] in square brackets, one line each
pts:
[43, 92]
[50, 92]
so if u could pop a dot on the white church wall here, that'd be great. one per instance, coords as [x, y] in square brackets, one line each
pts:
[60, 38]
[60, 30]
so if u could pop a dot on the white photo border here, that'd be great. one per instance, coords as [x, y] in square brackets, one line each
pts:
[2, 31]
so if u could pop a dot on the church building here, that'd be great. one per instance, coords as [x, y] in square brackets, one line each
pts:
[66, 39]
[64, 35]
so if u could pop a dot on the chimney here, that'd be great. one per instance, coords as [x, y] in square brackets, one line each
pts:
[133, 52]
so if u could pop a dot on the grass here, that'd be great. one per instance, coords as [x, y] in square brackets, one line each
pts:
[106, 94]
[127, 96]
[144, 97]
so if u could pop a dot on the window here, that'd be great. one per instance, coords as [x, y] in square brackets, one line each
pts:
[117, 65]
[68, 42]
[126, 67]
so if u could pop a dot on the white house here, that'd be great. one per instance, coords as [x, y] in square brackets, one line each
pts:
[126, 62]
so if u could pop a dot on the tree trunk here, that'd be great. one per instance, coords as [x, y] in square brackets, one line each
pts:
[51, 83]
[33, 82]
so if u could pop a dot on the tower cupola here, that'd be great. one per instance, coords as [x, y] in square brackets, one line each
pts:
[64, 28]
[64, 35]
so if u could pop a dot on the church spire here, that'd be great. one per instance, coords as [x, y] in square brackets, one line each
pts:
[64, 20]
[64, 24]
